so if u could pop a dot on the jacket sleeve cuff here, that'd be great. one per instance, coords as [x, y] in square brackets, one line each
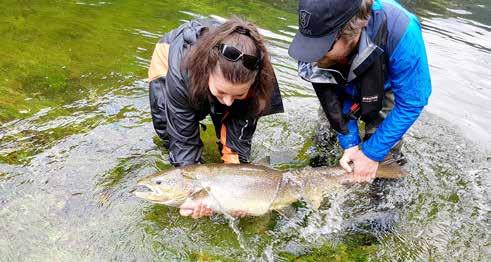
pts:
[372, 155]
[352, 138]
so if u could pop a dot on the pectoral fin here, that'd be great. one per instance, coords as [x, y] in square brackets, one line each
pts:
[200, 193]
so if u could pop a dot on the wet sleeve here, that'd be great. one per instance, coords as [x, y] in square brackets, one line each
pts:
[236, 139]
[410, 82]
[352, 138]
[185, 146]
[157, 107]
[156, 75]
[276, 103]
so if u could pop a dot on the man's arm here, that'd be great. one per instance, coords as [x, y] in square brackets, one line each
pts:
[410, 82]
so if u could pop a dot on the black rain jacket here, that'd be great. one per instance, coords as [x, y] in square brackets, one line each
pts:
[177, 122]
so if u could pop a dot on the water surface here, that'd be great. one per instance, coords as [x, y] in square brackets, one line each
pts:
[76, 135]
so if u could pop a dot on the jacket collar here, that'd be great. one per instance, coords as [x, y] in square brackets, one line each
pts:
[368, 53]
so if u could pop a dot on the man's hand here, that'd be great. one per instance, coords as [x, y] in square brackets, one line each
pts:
[364, 169]
[347, 158]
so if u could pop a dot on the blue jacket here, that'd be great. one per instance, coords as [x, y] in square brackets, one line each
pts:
[408, 77]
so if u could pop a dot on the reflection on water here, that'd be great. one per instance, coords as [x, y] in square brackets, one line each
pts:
[76, 135]
[457, 34]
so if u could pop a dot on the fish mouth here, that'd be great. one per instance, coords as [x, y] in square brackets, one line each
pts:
[145, 192]
[172, 203]
[140, 188]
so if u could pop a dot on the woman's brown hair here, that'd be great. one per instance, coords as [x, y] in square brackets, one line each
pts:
[204, 58]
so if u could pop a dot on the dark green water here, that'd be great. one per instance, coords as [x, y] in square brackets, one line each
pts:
[76, 135]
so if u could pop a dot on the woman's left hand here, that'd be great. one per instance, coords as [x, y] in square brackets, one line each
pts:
[239, 214]
[198, 211]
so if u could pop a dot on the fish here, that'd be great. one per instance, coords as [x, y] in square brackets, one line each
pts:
[248, 188]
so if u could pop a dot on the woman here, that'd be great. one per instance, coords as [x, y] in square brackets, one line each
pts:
[202, 68]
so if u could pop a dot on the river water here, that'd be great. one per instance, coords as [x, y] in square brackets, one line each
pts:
[76, 135]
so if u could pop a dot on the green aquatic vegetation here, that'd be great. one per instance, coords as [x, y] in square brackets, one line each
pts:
[338, 253]
[303, 154]
[51, 58]
[31, 142]
[434, 208]
[125, 167]
[302, 159]
[206, 257]
[453, 198]
[17, 157]
[158, 219]
[210, 147]
[158, 142]
[123, 113]
[47, 54]
[4, 176]
[161, 165]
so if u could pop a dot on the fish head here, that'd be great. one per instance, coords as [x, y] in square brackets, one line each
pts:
[170, 188]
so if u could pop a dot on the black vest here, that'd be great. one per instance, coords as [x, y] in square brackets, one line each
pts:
[368, 75]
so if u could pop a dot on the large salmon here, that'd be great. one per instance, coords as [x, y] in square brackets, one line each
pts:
[253, 189]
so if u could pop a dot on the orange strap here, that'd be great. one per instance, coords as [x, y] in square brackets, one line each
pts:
[228, 156]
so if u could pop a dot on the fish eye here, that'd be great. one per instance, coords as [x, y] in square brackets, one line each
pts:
[158, 182]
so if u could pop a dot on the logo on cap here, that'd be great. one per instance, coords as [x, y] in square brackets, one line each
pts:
[304, 18]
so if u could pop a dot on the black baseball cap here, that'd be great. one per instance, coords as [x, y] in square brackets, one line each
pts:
[319, 23]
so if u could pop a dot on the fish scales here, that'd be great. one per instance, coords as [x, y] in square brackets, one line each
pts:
[253, 189]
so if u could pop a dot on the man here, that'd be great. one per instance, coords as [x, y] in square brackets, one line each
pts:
[366, 61]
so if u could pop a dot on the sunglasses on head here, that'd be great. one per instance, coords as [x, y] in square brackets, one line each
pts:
[233, 54]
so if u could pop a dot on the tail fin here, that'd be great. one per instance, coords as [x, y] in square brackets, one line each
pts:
[390, 171]
[320, 180]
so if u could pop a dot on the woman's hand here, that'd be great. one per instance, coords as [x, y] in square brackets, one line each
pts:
[239, 214]
[198, 211]
[201, 210]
